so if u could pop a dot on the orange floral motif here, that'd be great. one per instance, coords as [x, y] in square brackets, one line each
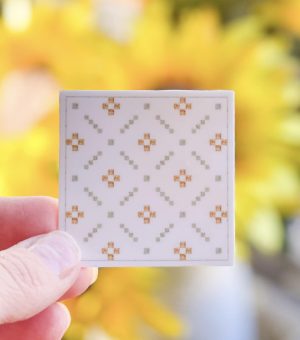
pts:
[182, 106]
[110, 251]
[182, 250]
[146, 214]
[111, 106]
[111, 178]
[218, 142]
[147, 141]
[218, 214]
[182, 178]
[75, 141]
[74, 214]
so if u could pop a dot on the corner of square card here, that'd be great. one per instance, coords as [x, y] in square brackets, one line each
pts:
[147, 177]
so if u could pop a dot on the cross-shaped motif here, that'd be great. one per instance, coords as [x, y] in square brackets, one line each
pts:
[182, 106]
[218, 141]
[110, 250]
[111, 178]
[75, 141]
[146, 214]
[111, 106]
[182, 251]
[218, 214]
[182, 178]
[74, 214]
[147, 141]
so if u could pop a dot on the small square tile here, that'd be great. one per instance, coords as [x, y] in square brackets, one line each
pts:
[146, 178]
[74, 178]
[146, 106]
[75, 106]
[146, 250]
[110, 142]
[110, 214]
[218, 106]
[182, 142]
[218, 178]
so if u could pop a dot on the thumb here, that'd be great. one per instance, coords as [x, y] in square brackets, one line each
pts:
[35, 273]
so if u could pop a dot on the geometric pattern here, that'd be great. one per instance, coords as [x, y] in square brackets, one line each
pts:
[74, 214]
[155, 168]
[182, 178]
[110, 250]
[163, 161]
[130, 234]
[218, 214]
[130, 122]
[164, 196]
[75, 141]
[130, 194]
[110, 106]
[199, 124]
[111, 178]
[91, 161]
[130, 161]
[91, 233]
[146, 214]
[147, 141]
[164, 124]
[182, 106]
[93, 196]
[200, 232]
[199, 197]
[218, 142]
[200, 160]
[183, 250]
[92, 123]
[164, 232]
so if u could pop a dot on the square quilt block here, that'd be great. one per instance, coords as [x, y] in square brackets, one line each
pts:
[147, 177]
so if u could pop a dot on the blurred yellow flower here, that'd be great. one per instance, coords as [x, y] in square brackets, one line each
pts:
[201, 53]
[282, 13]
[120, 302]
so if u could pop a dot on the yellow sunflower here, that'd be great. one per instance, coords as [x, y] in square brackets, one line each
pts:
[201, 53]
[282, 13]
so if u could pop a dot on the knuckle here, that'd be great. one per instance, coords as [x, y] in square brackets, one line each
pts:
[18, 271]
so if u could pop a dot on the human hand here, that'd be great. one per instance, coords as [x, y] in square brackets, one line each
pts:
[38, 267]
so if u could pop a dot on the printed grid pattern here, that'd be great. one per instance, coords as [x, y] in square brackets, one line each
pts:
[142, 181]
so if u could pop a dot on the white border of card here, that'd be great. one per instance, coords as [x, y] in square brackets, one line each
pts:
[109, 100]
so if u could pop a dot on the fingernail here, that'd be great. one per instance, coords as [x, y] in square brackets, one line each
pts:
[94, 275]
[58, 250]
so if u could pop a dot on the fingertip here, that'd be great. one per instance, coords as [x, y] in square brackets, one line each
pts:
[45, 208]
[35, 273]
[64, 316]
[50, 324]
[86, 278]
[95, 273]
[24, 217]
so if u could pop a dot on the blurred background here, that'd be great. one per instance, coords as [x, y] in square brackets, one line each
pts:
[252, 47]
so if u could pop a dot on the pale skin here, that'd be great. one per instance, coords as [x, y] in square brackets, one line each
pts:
[30, 286]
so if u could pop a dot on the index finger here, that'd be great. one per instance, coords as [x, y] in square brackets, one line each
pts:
[24, 217]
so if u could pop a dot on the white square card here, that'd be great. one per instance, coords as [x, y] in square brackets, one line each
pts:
[147, 177]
